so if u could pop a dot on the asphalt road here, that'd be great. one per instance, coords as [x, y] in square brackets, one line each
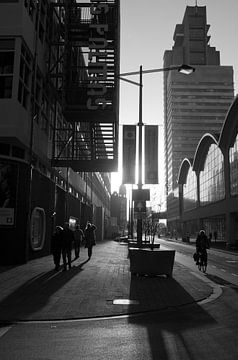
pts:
[222, 265]
[196, 332]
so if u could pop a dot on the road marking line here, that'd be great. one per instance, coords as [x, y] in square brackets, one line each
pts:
[4, 330]
[223, 270]
[234, 274]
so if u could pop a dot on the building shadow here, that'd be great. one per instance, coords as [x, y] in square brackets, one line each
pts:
[168, 313]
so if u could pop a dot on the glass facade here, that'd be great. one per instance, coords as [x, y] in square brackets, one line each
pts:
[190, 191]
[233, 159]
[212, 182]
[216, 226]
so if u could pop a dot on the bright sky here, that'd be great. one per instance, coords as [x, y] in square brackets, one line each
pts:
[147, 29]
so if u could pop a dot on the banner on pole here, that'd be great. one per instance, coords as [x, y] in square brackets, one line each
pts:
[151, 154]
[129, 154]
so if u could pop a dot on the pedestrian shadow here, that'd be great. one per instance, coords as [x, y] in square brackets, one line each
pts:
[35, 294]
[83, 263]
[4, 268]
[170, 316]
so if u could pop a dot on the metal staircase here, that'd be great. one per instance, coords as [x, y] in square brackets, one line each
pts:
[83, 68]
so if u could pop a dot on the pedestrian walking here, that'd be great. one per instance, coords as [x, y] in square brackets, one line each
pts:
[56, 246]
[78, 237]
[89, 236]
[67, 242]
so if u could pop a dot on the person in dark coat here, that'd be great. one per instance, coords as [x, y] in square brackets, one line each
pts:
[67, 242]
[78, 237]
[202, 244]
[56, 246]
[89, 236]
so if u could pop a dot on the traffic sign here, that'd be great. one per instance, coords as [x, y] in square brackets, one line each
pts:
[140, 207]
[140, 194]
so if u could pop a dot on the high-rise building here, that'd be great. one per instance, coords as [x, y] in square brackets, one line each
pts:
[195, 104]
[119, 211]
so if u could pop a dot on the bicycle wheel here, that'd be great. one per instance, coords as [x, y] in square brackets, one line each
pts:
[204, 266]
[199, 265]
[199, 262]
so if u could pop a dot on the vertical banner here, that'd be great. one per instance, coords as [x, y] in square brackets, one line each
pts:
[129, 154]
[151, 154]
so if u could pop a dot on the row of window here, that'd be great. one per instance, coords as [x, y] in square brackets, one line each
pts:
[190, 110]
[17, 152]
[190, 104]
[6, 67]
[199, 83]
[233, 159]
[200, 90]
[196, 97]
[28, 82]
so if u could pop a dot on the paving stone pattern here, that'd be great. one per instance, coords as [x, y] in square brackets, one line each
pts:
[34, 291]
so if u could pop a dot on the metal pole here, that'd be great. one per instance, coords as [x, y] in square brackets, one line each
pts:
[140, 125]
[131, 216]
[66, 215]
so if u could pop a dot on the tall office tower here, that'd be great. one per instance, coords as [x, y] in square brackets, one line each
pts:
[194, 104]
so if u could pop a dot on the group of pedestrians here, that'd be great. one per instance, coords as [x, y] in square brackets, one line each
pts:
[64, 239]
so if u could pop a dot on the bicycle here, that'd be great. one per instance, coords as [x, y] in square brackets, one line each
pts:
[202, 262]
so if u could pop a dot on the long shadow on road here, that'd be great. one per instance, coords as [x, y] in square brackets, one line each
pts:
[37, 293]
[171, 330]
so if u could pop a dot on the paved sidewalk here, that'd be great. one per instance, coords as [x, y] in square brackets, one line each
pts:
[34, 291]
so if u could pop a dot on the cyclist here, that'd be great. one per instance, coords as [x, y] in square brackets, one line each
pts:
[202, 244]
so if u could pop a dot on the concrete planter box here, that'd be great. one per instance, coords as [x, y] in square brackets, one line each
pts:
[151, 262]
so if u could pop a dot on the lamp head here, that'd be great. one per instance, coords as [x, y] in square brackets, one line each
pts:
[186, 69]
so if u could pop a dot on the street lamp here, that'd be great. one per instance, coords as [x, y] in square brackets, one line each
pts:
[184, 69]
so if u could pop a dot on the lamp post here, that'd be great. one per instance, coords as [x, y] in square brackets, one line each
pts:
[184, 69]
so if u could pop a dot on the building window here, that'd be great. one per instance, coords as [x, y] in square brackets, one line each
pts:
[5, 149]
[45, 113]
[212, 183]
[24, 77]
[233, 159]
[197, 58]
[6, 67]
[190, 191]
[215, 225]
[38, 97]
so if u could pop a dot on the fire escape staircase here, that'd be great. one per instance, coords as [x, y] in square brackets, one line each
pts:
[83, 68]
